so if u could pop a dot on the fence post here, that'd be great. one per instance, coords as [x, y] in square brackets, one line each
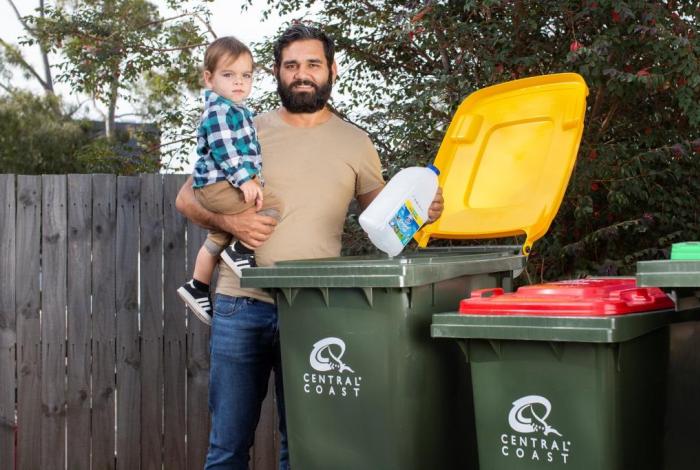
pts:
[54, 253]
[79, 286]
[104, 190]
[28, 247]
[174, 332]
[8, 324]
[128, 342]
[151, 321]
[197, 369]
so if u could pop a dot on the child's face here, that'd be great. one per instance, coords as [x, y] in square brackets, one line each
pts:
[232, 79]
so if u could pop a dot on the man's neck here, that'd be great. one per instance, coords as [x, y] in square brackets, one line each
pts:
[305, 119]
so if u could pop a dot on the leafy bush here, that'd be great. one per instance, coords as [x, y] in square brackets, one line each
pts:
[37, 138]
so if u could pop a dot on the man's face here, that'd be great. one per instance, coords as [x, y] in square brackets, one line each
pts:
[304, 78]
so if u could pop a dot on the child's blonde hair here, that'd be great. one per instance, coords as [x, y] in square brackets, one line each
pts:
[227, 46]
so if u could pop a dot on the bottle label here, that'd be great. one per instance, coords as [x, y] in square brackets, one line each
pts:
[406, 222]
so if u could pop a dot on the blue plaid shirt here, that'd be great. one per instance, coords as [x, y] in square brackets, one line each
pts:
[227, 144]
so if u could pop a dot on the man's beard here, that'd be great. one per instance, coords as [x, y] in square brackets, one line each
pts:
[305, 102]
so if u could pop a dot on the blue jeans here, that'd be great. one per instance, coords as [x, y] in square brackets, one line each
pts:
[244, 349]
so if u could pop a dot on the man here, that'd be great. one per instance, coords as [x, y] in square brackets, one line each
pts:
[316, 163]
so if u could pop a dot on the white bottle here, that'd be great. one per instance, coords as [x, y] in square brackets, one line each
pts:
[400, 209]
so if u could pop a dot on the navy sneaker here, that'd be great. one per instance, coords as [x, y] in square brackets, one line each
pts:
[197, 300]
[238, 257]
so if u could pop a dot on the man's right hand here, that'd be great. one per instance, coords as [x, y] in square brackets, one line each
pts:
[249, 227]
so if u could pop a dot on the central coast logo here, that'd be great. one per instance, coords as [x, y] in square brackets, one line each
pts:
[327, 354]
[536, 439]
[336, 378]
[528, 415]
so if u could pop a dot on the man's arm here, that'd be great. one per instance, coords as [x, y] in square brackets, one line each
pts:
[366, 199]
[434, 211]
[187, 205]
[248, 226]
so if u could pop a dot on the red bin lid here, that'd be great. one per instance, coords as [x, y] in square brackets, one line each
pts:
[583, 297]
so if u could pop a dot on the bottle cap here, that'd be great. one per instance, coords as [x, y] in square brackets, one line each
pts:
[434, 168]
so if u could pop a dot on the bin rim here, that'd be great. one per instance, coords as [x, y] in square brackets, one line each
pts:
[580, 329]
[669, 273]
[412, 269]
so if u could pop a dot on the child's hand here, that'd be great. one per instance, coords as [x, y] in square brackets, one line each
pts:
[252, 192]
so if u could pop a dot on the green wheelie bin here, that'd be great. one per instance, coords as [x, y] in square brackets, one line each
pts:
[364, 384]
[680, 277]
[566, 375]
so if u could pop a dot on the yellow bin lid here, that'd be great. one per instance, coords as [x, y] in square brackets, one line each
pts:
[507, 157]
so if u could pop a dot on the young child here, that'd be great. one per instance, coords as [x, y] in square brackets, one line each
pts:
[227, 176]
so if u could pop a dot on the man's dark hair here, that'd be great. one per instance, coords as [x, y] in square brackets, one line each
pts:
[301, 32]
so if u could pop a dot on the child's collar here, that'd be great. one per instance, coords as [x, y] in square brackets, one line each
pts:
[212, 97]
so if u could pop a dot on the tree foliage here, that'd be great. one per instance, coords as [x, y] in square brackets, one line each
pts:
[108, 45]
[118, 51]
[36, 137]
[408, 64]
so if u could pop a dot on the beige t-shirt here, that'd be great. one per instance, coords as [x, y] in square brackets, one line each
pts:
[316, 172]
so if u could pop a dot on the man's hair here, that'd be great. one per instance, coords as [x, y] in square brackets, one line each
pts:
[301, 32]
[226, 46]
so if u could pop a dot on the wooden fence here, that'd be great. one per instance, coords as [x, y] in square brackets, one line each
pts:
[101, 366]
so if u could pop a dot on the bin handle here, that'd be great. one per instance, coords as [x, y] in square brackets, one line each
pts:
[635, 294]
[485, 293]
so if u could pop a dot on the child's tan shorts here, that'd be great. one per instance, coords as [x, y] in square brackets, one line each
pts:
[223, 198]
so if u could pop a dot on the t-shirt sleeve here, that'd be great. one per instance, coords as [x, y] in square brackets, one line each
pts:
[369, 170]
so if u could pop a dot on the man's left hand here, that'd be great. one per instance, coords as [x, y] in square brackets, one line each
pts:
[436, 207]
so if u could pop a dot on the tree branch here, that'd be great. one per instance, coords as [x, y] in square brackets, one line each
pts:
[369, 6]
[19, 60]
[442, 40]
[597, 103]
[46, 82]
[170, 49]
[195, 15]
[164, 20]
[79, 105]
[380, 63]
[20, 17]
[7, 88]
[207, 25]
[45, 57]
[119, 116]
[607, 119]
[172, 142]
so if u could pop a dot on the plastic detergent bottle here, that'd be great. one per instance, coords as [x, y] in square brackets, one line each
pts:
[401, 208]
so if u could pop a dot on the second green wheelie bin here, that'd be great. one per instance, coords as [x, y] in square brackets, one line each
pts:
[680, 277]
[566, 375]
